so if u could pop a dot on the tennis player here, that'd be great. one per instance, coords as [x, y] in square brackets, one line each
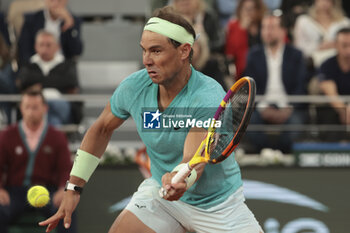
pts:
[211, 199]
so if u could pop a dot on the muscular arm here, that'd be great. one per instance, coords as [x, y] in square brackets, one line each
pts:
[95, 142]
[98, 135]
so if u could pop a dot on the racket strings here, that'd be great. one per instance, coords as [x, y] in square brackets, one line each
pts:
[231, 119]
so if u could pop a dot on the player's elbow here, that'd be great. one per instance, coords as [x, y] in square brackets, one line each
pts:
[102, 129]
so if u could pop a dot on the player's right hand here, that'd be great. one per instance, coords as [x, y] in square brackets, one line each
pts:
[173, 191]
[68, 205]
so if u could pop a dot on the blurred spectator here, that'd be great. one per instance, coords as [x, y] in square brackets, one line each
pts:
[334, 76]
[32, 153]
[3, 29]
[7, 80]
[243, 32]
[50, 71]
[204, 19]
[346, 7]
[56, 19]
[207, 56]
[273, 4]
[225, 9]
[314, 32]
[291, 10]
[279, 71]
[158, 4]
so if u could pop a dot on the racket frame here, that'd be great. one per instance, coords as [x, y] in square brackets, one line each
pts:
[202, 154]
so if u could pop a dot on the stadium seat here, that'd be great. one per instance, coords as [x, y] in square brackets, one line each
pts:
[110, 7]
[112, 41]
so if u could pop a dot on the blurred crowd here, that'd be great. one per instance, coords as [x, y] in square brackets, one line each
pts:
[290, 47]
[40, 44]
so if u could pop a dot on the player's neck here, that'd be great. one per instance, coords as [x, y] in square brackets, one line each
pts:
[168, 91]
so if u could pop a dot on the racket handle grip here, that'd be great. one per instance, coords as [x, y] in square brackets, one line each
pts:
[181, 174]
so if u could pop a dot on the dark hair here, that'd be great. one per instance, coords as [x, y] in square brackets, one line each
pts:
[168, 13]
[34, 93]
[278, 14]
[345, 30]
[46, 33]
[4, 52]
[260, 8]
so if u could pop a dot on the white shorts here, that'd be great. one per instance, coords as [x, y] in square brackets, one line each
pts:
[231, 216]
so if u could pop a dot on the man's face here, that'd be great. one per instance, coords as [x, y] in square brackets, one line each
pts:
[46, 46]
[343, 46]
[271, 31]
[324, 5]
[162, 60]
[33, 109]
[248, 10]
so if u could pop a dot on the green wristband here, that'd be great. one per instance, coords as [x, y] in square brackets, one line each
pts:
[84, 165]
[191, 178]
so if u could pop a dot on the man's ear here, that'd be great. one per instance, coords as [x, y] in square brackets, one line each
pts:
[185, 50]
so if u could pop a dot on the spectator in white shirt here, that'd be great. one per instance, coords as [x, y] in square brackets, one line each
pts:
[50, 72]
[279, 70]
[58, 20]
[314, 33]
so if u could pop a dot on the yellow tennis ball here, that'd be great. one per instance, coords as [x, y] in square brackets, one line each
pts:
[38, 196]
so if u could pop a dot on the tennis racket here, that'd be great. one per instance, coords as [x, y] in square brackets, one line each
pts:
[234, 113]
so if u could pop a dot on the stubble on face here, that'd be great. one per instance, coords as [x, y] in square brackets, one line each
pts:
[160, 58]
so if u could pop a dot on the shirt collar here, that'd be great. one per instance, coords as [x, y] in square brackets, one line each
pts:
[278, 54]
[48, 17]
[46, 66]
[29, 132]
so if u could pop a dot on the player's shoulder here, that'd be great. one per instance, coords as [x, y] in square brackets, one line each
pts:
[206, 90]
[203, 82]
[132, 88]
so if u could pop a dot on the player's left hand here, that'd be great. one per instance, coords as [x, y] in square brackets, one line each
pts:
[174, 191]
